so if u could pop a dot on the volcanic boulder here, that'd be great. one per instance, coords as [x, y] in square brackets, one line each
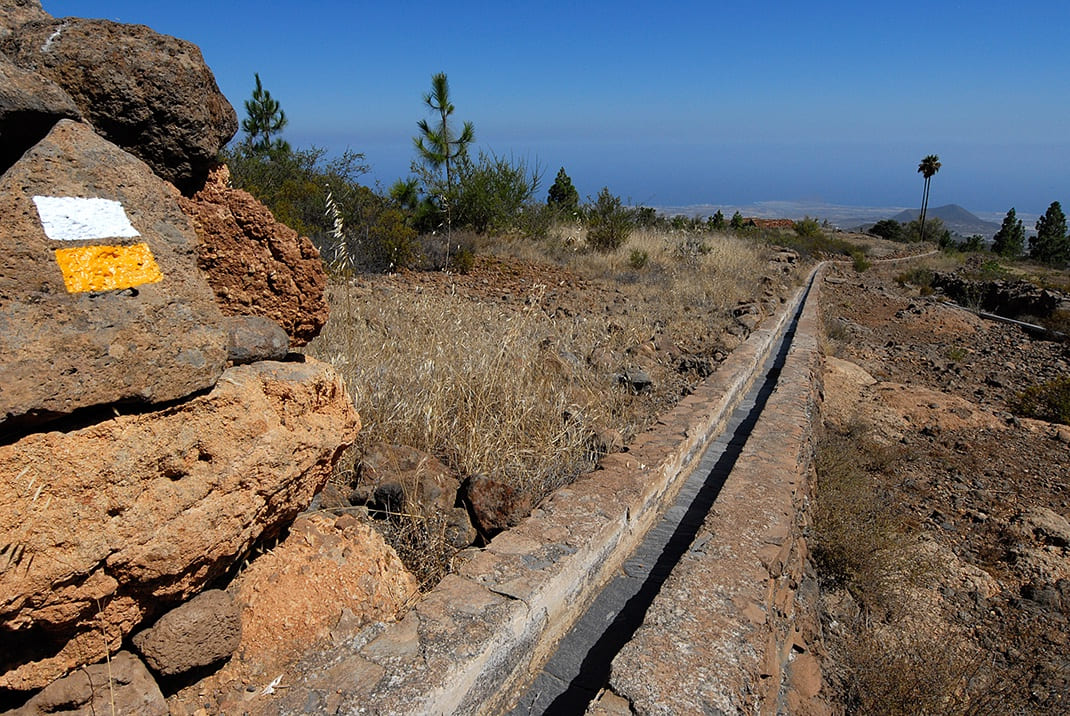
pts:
[100, 297]
[30, 105]
[149, 93]
[255, 264]
[101, 527]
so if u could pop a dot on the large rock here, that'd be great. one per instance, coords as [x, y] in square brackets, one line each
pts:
[16, 13]
[255, 264]
[329, 578]
[104, 526]
[121, 686]
[30, 105]
[204, 630]
[149, 93]
[100, 296]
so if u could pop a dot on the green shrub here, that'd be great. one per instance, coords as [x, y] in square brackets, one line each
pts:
[808, 228]
[492, 192]
[859, 260]
[1048, 401]
[608, 222]
[638, 259]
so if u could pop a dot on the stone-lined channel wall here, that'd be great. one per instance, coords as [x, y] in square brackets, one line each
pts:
[473, 642]
[735, 628]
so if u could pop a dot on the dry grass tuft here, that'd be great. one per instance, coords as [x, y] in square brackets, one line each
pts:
[483, 387]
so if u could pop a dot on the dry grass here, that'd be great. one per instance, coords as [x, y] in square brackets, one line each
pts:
[511, 393]
[516, 390]
[480, 386]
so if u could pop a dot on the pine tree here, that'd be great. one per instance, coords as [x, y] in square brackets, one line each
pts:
[1009, 241]
[440, 147]
[717, 221]
[562, 194]
[264, 119]
[1051, 244]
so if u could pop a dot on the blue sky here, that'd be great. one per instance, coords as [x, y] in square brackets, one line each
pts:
[676, 103]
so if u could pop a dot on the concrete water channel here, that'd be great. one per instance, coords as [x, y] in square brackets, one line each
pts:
[628, 566]
[579, 668]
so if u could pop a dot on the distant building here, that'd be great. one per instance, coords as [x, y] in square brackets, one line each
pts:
[769, 223]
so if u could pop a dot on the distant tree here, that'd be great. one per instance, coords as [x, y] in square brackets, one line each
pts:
[717, 221]
[440, 147]
[929, 166]
[973, 243]
[808, 228]
[934, 229]
[1009, 241]
[1051, 244]
[264, 119]
[608, 222]
[562, 194]
[737, 221]
[889, 229]
[646, 216]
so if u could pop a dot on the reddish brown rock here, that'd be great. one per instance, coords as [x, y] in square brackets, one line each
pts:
[495, 504]
[123, 686]
[30, 106]
[255, 264]
[102, 526]
[329, 578]
[204, 630]
[15, 13]
[149, 93]
[100, 297]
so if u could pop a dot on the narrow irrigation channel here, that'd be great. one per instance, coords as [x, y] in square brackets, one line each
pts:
[580, 666]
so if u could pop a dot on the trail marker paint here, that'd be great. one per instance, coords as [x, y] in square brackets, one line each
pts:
[69, 218]
[107, 268]
[96, 268]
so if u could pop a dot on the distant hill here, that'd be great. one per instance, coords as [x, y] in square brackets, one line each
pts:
[958, 220]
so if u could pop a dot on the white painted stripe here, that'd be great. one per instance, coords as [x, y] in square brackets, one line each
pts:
[70, 218]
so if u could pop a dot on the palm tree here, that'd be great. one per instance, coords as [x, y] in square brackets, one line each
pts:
[927, 168]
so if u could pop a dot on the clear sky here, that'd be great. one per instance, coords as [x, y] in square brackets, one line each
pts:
[674, 103]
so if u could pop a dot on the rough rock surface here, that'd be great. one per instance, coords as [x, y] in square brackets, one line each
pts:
[29, 107]
[135, 322]
[102, 526]
[255, 264]
[894, 408]
[123, 686]
[149, 93]
[495, 504]
[253, 338]
[204, 630]
[329, 578]
[15, 13]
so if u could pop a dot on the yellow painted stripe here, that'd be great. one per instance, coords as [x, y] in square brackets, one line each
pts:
[107, 268]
